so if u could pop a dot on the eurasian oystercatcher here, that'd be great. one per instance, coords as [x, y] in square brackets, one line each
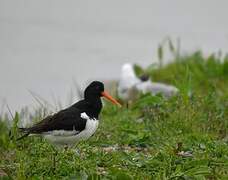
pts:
[130, 86]
[78, 122]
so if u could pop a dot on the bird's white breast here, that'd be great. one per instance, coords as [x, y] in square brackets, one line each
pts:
[127, 85]
[66, 137]
[91, 127]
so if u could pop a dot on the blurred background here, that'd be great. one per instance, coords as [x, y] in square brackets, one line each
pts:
[47, 45]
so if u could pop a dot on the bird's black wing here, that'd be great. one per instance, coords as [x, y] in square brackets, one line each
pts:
[67, 119]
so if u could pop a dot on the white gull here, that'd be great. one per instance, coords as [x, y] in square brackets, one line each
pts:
[130, 86]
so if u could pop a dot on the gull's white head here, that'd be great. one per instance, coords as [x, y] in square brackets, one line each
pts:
[127, 71]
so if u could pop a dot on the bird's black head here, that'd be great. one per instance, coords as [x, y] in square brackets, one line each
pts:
[91, 104]
[94, 90]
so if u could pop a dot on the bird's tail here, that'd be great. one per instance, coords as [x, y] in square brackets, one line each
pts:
[25, 131]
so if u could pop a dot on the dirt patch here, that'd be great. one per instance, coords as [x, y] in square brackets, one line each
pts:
[2, 173]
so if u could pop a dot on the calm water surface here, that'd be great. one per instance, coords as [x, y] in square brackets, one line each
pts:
[46, 44]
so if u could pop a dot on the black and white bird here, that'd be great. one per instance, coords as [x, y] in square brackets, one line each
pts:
[78, 122]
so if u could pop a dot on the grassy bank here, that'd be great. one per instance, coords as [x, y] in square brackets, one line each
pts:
[184, 137]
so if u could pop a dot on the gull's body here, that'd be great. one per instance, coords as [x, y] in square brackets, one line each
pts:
[156, 88]
[130, 86]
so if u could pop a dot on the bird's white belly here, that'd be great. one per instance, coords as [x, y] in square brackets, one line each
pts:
[62, 137]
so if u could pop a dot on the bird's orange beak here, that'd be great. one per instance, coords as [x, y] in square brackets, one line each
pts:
[110, 98]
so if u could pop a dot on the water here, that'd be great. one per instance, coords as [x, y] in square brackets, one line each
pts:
[46, 44]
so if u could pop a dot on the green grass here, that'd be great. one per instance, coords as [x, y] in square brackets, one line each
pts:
[144, 141]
